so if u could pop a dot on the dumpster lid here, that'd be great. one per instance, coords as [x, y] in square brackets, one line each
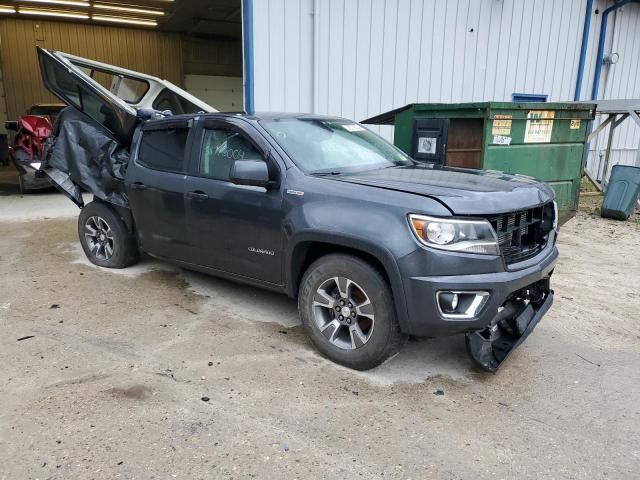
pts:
[388, 118]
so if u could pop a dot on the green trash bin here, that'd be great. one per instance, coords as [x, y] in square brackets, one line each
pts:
[542, 140]
[622, 193]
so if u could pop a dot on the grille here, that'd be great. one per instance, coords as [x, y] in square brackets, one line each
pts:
[524, 233]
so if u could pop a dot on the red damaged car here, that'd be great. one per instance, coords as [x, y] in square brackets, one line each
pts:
[32, 130]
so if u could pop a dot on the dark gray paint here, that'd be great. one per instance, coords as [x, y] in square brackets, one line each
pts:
[261, 235]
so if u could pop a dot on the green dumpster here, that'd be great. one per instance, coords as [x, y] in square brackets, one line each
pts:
[543, 140]
[622, 192]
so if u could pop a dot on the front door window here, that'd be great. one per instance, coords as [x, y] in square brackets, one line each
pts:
[220, 149]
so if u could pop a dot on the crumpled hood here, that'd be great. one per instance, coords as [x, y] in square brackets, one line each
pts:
[463, 191]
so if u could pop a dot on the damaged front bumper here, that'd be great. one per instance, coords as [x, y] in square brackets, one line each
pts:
[515, 320]
[497, 311]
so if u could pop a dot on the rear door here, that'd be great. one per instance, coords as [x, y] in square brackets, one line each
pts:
[155, 185]
[112, 95]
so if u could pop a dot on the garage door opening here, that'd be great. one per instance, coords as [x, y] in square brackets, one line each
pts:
[211, 49]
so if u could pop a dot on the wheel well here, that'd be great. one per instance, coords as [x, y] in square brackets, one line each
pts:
[124, 214]
[308, 252]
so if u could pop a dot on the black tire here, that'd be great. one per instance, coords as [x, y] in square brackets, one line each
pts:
[113, 245]
[339, 343]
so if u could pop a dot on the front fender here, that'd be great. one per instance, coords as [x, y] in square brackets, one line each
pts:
[344, 241]
[356, 217]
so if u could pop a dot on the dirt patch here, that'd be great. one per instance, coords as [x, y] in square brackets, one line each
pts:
[596, 281]
[136, 392]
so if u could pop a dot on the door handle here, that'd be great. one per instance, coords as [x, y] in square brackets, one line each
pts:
[197, 195]
[138, 186]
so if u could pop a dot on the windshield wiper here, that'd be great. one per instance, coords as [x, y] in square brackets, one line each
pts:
[325, 174]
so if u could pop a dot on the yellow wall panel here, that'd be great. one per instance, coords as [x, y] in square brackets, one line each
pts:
[148, 51]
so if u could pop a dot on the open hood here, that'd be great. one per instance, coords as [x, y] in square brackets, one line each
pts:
[463, 191]
[112, 95]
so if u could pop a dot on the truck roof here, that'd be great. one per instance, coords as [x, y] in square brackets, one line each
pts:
[253, 116]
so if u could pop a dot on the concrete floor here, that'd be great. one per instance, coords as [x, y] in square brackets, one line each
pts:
[111, 383]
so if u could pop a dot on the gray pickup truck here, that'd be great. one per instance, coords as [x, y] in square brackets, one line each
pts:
[374, 245]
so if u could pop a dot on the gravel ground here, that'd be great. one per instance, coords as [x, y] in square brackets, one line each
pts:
[112, 383]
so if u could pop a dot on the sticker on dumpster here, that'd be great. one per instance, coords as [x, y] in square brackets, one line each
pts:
[539, 126]
[501, 140]
[427, 145]
[501, 125]
[575, 124]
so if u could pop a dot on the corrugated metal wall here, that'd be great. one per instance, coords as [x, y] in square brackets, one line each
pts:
[283, 55]
[151, 52]
[376, 55]
[619, 81]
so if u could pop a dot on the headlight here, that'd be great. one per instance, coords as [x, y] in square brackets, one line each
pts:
[440, 233]
[458, 235]
[555, 215]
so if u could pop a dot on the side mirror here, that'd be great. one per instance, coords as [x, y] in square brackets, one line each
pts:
[250, 172]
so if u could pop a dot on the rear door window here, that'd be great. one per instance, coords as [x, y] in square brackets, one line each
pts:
[88, 96]
[164, 149]
[82, 98]
[220, 148]
[65, 84]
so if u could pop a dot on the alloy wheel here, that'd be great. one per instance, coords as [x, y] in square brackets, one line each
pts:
[343, 312]
[99, 237]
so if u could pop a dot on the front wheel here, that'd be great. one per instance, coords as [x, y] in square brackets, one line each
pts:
[104, 237]
[347, 311]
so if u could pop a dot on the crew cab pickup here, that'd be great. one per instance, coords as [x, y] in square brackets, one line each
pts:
[374, 245]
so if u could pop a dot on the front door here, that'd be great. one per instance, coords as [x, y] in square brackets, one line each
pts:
[236, 229]
[155, 184]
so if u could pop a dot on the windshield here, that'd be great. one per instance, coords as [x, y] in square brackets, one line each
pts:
[333, 145]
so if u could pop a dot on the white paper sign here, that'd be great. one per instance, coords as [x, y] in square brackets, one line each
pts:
[501, 140]
[539, 127]
[427, 145]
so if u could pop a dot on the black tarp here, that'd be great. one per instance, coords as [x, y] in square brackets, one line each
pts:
[81, 155]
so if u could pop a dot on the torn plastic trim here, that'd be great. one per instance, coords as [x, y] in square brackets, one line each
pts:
[490, 347]
[81, 155]
[62, 181]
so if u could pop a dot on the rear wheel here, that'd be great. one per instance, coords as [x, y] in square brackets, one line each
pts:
[104, 237]
[347, 311]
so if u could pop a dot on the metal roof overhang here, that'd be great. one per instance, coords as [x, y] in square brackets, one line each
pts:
[617, 112]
